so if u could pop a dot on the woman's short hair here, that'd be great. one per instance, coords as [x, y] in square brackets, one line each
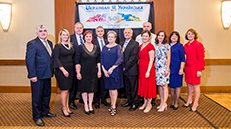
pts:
[112, 32]
[177, 34]
[146, 31]
[88, 32]
[193, 31]
[165, 37]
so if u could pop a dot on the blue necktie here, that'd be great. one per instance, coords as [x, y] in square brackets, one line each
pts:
[101, 44]
[81, 40]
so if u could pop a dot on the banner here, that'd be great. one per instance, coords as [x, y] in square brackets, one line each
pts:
[114, 15]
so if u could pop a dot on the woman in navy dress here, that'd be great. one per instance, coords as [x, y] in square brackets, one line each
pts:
[176, 68]
[111, 60]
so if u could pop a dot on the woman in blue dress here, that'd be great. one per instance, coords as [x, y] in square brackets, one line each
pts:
[176, 68]
[111, 60]
[162, 64]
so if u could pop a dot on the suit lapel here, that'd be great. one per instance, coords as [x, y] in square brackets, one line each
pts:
[129, 44]
[42, 45]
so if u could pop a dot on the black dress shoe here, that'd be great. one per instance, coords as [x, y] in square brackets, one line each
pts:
[126, 105]
[171, 106]
[39, 122]
[97, 106]
[71, 112]
[87, 112]
[72, 106]
[49, 115]
[175, 108]
[106, 104]
[184, 106]
[133, 108]
[64, 114]
[92, 111]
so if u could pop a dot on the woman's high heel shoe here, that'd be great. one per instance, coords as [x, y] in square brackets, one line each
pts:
[165, 109]
[142, 107]
[64, 114]
[148, 108]
[188, 105]
[113, 111]
[86, 112]
[158, 107]
[71, 112]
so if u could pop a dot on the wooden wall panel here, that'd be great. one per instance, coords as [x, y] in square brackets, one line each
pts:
[64, 16]
[164, 15]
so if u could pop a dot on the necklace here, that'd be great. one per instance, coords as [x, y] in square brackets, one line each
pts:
[68, 48]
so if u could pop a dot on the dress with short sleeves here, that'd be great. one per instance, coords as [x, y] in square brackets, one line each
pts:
[146, 86]
[109, 57]
[177, 56]
[161, 63]
[63, 57]
[88, 61]
[195, 55]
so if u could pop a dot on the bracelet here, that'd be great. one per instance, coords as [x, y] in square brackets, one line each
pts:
[168, 70]
[149, 71]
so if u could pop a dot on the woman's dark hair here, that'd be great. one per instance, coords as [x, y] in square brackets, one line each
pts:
[88, 32]
[177, 34]
[146, 31]
[165, 37]
[193, 31]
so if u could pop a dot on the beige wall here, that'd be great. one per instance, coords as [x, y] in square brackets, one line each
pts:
[204, 16]
[26, 16]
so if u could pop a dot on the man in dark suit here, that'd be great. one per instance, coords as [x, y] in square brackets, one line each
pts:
[39, 65]
[76, 39]
[130, 51]
[101, 93]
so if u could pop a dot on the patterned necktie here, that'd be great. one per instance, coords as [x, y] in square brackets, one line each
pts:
[81, 40]
[125, 44]
[48, 48]
[101, 44]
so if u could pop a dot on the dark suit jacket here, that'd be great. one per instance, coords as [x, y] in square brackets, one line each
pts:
[38, 61]
[74, 41]
[131, 56]
[96, 42]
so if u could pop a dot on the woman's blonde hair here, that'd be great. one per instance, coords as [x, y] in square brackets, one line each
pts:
[68, 40]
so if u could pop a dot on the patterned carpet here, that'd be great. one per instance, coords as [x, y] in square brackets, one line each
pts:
[223, 99]
[15, 112]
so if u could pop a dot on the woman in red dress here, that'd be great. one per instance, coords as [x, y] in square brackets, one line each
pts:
[147, 79]
[194, 64]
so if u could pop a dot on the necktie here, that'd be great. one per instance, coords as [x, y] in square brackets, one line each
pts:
[81, 40]
[125, 44]
[101, 44]
[48, 48]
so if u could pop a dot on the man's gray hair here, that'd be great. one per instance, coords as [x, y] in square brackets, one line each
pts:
[39, 27]
[128, 29]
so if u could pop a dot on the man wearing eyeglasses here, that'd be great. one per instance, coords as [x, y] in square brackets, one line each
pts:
[40, 70]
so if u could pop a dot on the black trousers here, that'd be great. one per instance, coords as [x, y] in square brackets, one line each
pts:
[41, 94]
[73, 90]
[101, 93]
[131, 88]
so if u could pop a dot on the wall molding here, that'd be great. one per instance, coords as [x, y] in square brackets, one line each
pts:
[27, 89]
[22, 62]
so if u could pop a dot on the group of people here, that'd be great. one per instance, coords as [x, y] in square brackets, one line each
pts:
[93, 65]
